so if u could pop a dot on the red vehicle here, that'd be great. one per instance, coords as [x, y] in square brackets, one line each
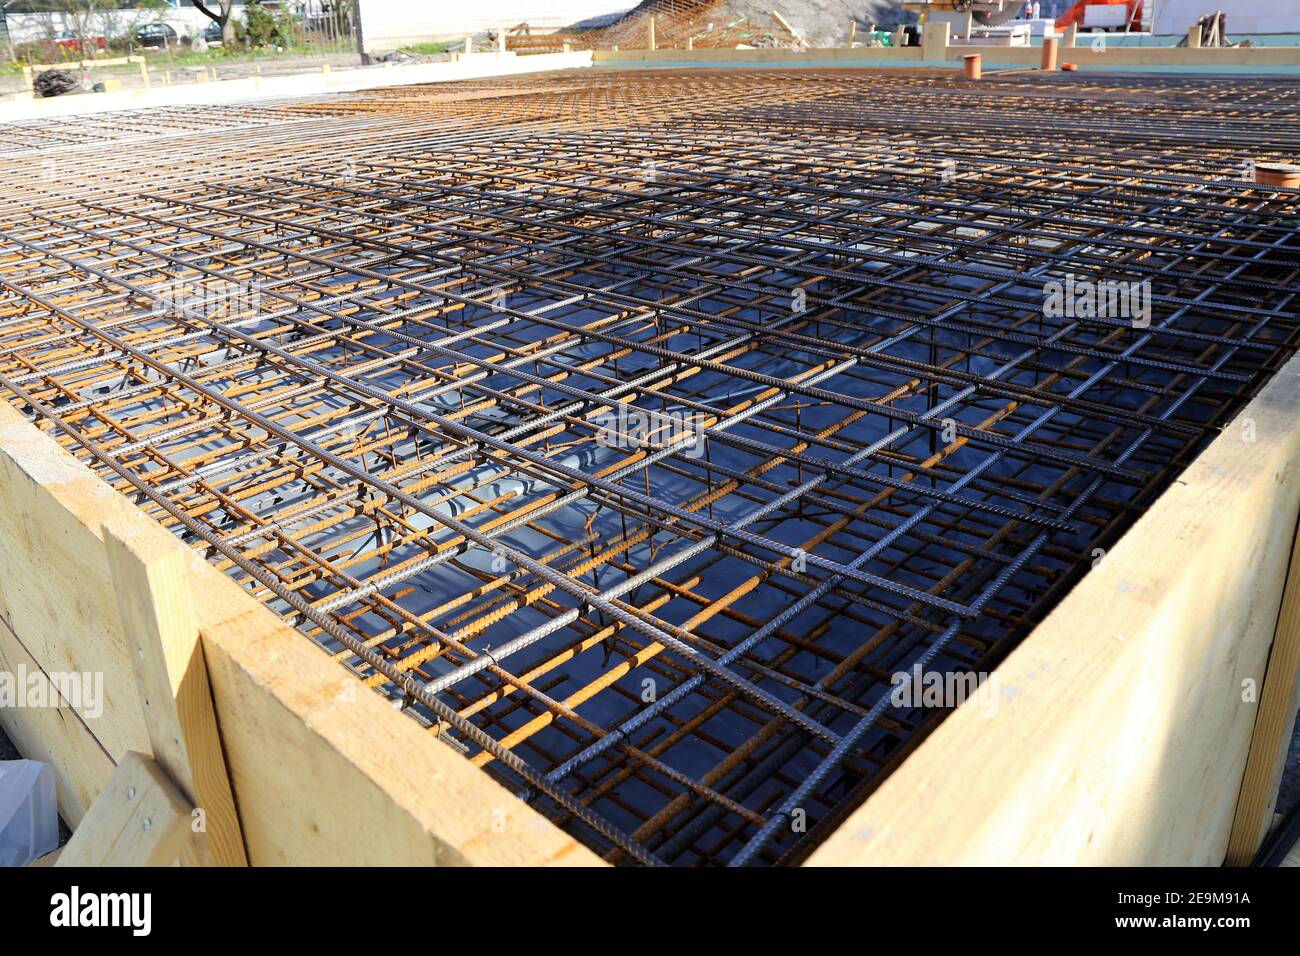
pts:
[1078, 14]
[82, 44]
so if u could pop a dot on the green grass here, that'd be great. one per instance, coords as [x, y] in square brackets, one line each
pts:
[213, 57]
[216, 57]
[429, 49]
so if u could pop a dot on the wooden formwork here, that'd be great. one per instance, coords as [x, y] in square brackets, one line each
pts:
[322, 770]
[1122, 735]
[936, 49]
[1126, 718]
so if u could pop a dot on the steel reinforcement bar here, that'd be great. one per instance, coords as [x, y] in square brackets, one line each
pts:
[650, 437]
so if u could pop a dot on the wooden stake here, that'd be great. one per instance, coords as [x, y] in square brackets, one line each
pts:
[150, 575]
[1268, 742]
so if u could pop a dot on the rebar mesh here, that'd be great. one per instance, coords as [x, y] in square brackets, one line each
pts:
[633, 430]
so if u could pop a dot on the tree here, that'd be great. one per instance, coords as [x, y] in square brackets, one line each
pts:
[220, 16]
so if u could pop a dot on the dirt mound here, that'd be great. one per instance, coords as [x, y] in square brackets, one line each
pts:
[823, 23]
[726, 24]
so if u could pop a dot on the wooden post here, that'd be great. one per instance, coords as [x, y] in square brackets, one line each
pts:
[1194, 37]
[1071, 33]
[690, 43]
[138, 819]
[785, 24]
[144, 72]
[1272, 733]
[150, 575]
[934, 41]
[501, 39]
[900, 36]
[853, 31]
[650, 38]
[469, 45]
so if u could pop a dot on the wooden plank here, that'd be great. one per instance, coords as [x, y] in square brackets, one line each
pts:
[323, 770]
[1272, 733]
[140, 819]
[776, 15]
[1259, 58]
[1122, 725]
[58, 736]
[150, 574]
[55, 585]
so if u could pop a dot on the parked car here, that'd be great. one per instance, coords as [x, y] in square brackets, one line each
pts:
[71, 41]
[212, 34]
[155, 35]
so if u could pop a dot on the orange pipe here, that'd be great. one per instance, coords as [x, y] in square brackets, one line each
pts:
[972, 66]
[1277, 174]
[1049, 53]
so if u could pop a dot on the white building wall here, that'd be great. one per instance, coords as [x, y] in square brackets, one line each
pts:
[388, 24]
[1243, 17]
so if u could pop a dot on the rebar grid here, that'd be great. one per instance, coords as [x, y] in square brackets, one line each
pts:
[633, 430]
